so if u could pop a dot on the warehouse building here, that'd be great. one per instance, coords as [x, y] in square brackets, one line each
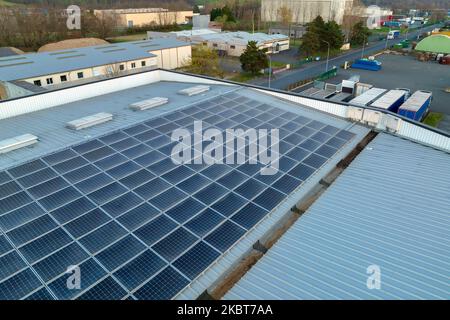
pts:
[234, 43]
[94, 186]
[29, 73]
[129, 18]
[227, 43]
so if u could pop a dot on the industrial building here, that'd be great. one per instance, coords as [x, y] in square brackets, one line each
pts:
[27, 73]
[94, 187]
[129, 18]
[304, 11]
[235, 43]
[294, 31]
[227, 43]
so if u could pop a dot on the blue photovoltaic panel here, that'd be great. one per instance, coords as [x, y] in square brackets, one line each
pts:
[119, 204]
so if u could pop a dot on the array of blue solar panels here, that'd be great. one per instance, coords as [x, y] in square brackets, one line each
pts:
[136, 224]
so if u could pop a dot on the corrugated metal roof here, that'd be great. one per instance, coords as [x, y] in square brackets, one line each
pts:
[389, 208]
[54, 135]
[43, 63]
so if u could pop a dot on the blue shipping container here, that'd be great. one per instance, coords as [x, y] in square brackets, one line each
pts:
[365, 64]
[416, 105]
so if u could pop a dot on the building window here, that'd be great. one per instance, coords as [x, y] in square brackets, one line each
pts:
[37, 83]
[63, 78]
[205, 43]
[80, 75]
[133, 65]
[49, 80]
[215, 45]
[233, 47]
[122, 67]
[143, 63]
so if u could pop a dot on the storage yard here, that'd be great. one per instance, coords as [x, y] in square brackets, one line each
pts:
[407, 72]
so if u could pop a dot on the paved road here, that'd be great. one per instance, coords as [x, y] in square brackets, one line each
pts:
[313, 69]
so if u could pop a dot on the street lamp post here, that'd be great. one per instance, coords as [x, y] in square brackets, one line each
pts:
[328, 55]
[387, 37]
[364, 46]
[270, 62]
[270, 68]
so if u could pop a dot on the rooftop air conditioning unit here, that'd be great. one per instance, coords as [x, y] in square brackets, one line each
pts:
[147, 104]
[18, 142]
[89, 121]
[194, 90]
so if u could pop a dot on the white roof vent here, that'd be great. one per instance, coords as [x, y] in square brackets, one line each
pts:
[18, 142]
[192, 91]
[147, 104]
[89, 121]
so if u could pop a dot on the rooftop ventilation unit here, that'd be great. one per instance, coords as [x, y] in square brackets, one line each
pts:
[18, 142]
[147, 104]
[194, 90]
[89, 121]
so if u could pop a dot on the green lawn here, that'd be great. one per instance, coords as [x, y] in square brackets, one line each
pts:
[433, 119]
[4, 3]
[243, 77]
[131, 37]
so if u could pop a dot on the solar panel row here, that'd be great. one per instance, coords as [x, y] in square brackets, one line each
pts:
[133, 221]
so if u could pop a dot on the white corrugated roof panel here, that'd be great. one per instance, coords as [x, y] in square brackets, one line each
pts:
[386, 101]
[367, 97]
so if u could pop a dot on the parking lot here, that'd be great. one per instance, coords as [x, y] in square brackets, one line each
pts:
[406, 72]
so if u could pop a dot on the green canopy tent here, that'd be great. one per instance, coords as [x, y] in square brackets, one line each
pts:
[438, 43]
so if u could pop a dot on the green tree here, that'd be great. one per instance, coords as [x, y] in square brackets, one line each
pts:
[319, 34]
[310, 44]
[359, 33]
[196, 9]
[222, 14]
[253, 59]
[204, 61]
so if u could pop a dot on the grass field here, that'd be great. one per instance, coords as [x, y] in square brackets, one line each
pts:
[433, 119]
[4, 3]
[131, 37]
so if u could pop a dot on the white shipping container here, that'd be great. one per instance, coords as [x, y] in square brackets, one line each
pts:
[367, 97]
[388, 99]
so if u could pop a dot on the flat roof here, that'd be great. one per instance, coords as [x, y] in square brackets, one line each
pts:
[44, 63]
[138, 199]
[389, 209]
[242, 37]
